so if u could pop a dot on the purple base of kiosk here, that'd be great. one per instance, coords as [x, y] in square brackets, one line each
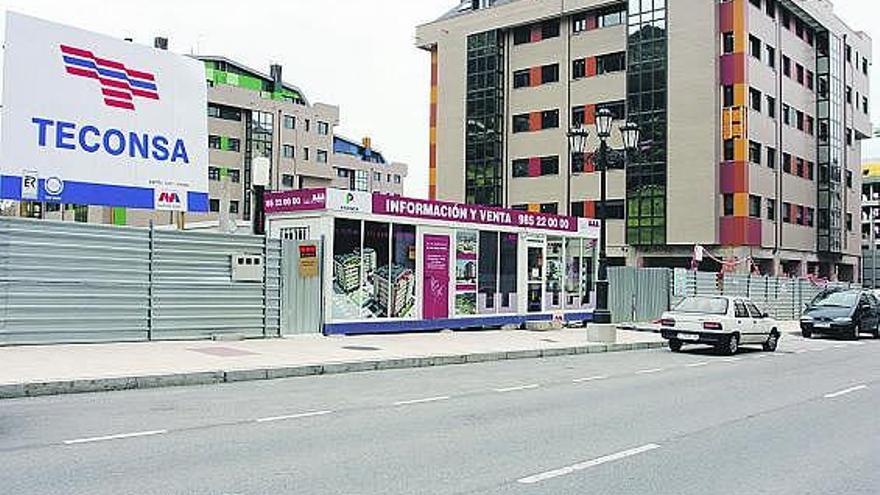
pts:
[379, 326]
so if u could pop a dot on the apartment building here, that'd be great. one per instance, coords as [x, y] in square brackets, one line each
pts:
[358, 167]
[252, 114]
[751, 114]
[871, 223]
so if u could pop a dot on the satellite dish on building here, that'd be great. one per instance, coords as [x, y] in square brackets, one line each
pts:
[260, 170]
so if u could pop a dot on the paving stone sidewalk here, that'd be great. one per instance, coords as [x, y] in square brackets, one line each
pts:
[58, 369]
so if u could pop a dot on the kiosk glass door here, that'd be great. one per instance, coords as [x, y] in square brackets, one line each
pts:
[535, 290]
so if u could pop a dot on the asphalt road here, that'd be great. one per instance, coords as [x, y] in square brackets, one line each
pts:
[805, 420]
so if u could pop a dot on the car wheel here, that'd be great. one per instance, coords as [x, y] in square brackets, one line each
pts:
[675, 345]
[772, 342]
[806, 333]
[729, 346]
[876, 331]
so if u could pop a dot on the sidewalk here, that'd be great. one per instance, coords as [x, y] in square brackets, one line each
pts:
[58, 369]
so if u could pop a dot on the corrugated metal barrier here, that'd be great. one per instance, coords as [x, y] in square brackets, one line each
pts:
[71, 282]
[639, 294]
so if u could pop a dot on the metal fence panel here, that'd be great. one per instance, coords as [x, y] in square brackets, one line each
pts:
[638, 294]
[71, 282]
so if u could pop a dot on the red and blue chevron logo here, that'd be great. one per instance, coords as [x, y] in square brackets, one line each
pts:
[119, 84]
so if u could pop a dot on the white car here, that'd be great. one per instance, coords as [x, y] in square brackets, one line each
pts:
[722, 321]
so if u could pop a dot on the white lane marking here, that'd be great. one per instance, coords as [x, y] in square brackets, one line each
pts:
[801, 351]
[421, 401]
[730, 359]
[696, 365]
[293, 416]
[536, 478]
[759, 356]
[514, 389]
[652, 370]
[589, 379]
[838, 346]
[845, 391]
[115, 437]
[857, 343]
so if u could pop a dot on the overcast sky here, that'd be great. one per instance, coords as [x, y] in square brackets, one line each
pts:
[357, 54]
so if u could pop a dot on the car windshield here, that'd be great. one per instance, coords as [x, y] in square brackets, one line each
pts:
[838, 300]
[704, 305]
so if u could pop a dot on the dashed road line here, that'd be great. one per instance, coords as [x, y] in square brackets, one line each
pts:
[555, 473]
[697, 364]
[845, 391]
[514, 389]
[115, 437]
[421, 401]
[293, 416]
[589, 379]
[649, 371]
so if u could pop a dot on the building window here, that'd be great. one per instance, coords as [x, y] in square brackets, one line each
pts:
[234, 175]
[849, 93]
[288, 150]
[322, 156]
[397, 179]
[214, 142]
[308, 125]
[224, 112]
[809, 124]
[233, 207]
[522, 78]
[550, 73]
[552, 208]
[755, 47]
[234, 144]
[727, 95]
[799, 73]
[727, 42]
[755, 152]
[770, 7]
[289, 122]
[799, 167]
[754, 206]
[810, 80]
[799, 215]
[865, 105]
[799, 120]
[611, 16]
[786, 114]
[771, 157]
[521, 167]
[849, 223]
[771, 56]
[849, 137]
[214, 205]
[550, 165]
[728, 150]
[809, 215]
[550, 29]
[578, 68]
[786, 212]
[306, 154]
[771, 209]
[521, 123]
[755, 99]
[213, 173]
[786, 163]
[361, 180]
[771, 107]
[522, 35]
[549, 119]
[287, 180]
[612, 62]
[617, 108]
[343, 173]
[323, 128]
[849, 179]
[786, 65]
[728, 205]
[377, 176]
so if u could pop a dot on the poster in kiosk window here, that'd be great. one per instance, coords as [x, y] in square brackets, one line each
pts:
[93, 120]
[466, 272]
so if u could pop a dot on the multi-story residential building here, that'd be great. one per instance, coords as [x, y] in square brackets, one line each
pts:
[250, 115]
[358, 167]
[751, 113]
[394, 288]
[871, 223]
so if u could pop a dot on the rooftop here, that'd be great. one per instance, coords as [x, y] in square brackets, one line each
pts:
[219, 69]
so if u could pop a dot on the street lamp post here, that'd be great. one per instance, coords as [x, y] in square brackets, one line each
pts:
[577, 136]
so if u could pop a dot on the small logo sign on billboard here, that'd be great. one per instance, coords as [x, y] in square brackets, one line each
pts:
[30, 184]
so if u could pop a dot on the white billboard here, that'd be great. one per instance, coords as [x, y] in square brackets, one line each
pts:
[90, 119]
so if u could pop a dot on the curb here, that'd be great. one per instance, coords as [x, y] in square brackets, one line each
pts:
[37, 389]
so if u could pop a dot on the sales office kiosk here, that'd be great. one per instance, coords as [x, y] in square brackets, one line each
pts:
[396, 264]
